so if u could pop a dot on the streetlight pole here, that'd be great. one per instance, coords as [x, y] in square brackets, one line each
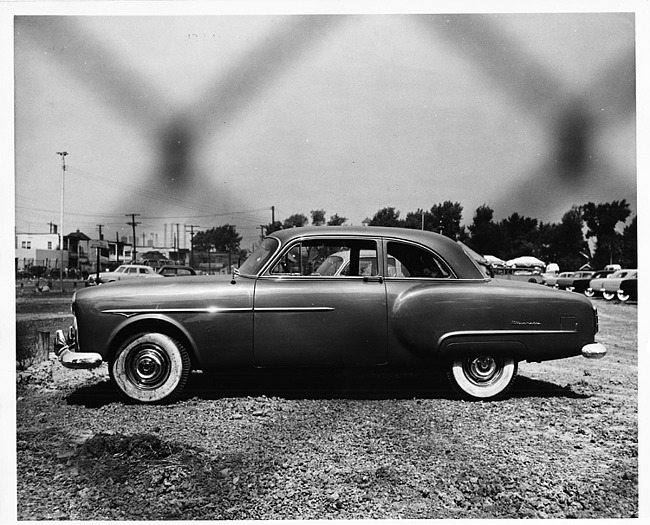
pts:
[63, 155]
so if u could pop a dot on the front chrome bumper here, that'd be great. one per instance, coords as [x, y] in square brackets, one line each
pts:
[64, 348]
[594, 351]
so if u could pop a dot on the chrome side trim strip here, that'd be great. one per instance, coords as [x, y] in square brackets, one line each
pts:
[501, 332]
[128, 312]
[295, 309]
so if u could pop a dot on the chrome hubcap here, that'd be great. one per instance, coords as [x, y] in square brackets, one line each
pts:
[147, 367]
[481, 370]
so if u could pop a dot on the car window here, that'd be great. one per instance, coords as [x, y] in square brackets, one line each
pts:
[143, 270]
[132, 270]
[259, 257]
[329, 258]
[415, 262]
[331, 265]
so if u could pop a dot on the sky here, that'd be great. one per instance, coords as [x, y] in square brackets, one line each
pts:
[207, 118]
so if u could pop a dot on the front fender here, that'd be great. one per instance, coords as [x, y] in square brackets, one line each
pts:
[147, 322]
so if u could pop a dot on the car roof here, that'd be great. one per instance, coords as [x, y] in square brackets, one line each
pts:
[448, 249]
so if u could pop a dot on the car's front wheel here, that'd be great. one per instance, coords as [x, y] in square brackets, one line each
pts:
[150, 368]
[608, 296]
[589, 292]
[482, 376]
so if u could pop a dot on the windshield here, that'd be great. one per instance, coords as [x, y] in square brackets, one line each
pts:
[121, 269]
[254, 263]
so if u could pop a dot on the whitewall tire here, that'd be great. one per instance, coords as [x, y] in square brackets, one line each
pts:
[150, 368]
[483, 376]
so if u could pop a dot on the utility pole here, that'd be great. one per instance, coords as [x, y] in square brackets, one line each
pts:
[63, 154]
[272, 214]
[117, 248]
[101, 235]
[135, 239]
[191, 227]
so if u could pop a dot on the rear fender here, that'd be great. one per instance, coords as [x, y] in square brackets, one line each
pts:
[456, 347]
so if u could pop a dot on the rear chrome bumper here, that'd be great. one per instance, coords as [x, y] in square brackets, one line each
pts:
[64, 348]
[594, 351]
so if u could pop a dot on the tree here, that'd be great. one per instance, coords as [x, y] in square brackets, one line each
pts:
[317, 217]
[629, 246]
[386, 217]
[295, 221]
[521, 236]
[272, 227]
[485, 236]
[568, 243]
[335, 220]
[446, 218]
[222, 238]
[416, 219]
[602, 221]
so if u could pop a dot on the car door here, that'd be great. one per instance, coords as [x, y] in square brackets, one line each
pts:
[307, 314]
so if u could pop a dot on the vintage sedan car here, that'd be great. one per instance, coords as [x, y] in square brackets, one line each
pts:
[608, 286]
[566, 282]
[552, 279]
[526, 275]
[123, 272]
[440, 310]
[580, 285]
[628, 290]
[176, 270]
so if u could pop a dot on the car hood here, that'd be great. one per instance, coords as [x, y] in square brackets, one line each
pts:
[148, 287]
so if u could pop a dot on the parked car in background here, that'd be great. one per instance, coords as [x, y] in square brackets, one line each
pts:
[628, 290]
[581, 284]
[518, 274]
[435, 310]
[566, 283]
[610, 285]
[607, 286]
[176, 270]
[551, 280]
[123, 272]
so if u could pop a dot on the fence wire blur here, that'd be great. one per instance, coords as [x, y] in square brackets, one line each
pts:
[528, 113]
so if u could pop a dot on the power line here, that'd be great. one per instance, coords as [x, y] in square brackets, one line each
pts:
[159, 197]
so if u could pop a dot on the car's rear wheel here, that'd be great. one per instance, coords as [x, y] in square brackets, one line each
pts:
[608, 296]
[589, 292]
[150, 368]
[482, 376]
[623, 297]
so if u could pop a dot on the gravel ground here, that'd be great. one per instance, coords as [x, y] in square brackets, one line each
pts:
[327, 445]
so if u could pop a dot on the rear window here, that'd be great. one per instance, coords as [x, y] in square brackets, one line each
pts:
[415, 262]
